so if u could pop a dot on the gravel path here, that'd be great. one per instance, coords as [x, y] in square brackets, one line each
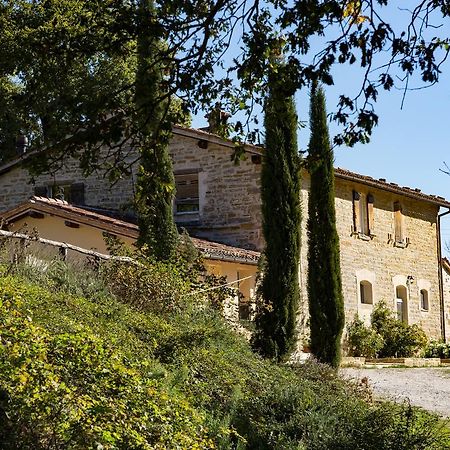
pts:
[425, 387]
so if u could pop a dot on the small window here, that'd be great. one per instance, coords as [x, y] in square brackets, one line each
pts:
[186, 200]
[363, 221]
[402, 303]
[363, 216]
[71, 193]
[424, 305]
[60, 192]
[399, 223]
[365, 292]
[244, 310]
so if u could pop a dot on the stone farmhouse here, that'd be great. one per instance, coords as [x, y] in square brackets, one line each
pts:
[389, 235]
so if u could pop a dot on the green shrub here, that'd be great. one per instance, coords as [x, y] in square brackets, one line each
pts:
[164, 287]
[174, 380]
[326, 413]
[437, 349]
[73, 391]
[362, 340]
[400, 339]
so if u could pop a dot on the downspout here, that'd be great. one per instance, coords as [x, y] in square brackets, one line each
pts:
[440, 276]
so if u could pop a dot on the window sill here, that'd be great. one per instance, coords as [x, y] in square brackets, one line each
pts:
[402, 244]
[363, 237]
[187, 213]
[424, 310]
[187, 217]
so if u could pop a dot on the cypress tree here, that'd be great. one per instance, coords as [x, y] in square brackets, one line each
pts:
[280, 191]
[155, 183]
[326, 304]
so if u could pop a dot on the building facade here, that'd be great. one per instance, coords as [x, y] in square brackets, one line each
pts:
[389, 235]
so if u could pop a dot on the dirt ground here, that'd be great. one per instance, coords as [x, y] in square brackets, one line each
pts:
[425, 387]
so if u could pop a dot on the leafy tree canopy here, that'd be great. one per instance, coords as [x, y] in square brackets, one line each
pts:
[67, 67]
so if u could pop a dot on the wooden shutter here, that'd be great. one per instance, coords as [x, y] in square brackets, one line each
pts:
[398, 223]
[77, 193]
[40, 191]
[187, 192]
[370, 217]
[356, 211]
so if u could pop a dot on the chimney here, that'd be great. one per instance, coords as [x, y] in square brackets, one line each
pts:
[21, 144]
[218, 121]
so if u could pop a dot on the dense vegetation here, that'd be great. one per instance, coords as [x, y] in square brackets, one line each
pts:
[155, 182]
[386, 337]
[326, 302]
[81, 368]
[280, 196]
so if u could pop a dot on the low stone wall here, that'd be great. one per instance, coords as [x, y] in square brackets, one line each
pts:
[386, 362]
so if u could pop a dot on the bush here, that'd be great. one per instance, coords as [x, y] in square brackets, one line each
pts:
[133, 379]
[362, 340]
[400, 339]
[164, 287]
[436, 349]
[387, 337]
[73, 391]
[318, 413]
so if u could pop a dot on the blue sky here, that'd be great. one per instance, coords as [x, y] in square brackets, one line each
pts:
[409, 145]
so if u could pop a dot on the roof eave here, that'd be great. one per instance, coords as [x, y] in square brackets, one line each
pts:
[394, 189]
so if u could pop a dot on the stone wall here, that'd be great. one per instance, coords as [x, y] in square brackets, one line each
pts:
[378, 260]
[16, 186]
[230, 208]
[230, 204]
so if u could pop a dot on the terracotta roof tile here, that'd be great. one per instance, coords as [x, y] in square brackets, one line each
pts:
[219, 251]
[210, 250]
[381, 183]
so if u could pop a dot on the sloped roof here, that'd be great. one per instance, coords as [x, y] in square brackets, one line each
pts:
[194, 133]
[215, 250]
[63, 209]
[381, 183]
[214, 138]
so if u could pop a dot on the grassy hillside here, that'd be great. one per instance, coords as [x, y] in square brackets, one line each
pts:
[81, 368]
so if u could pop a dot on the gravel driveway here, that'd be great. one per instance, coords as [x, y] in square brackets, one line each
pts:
[425, 387]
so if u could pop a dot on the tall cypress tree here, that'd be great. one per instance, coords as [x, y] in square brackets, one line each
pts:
[155, 184]
[280, 192]
[326, 304]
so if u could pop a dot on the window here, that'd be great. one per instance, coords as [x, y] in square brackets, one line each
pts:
[187, 199]
[244, 294]
[424, 305]
[71, 193]
[244, 310]
[363, 214]
[365, 292]
[402, 303]
[399, 224]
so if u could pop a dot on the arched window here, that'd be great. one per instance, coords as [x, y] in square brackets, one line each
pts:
[424, 305]
[365, 292]
[402, 303]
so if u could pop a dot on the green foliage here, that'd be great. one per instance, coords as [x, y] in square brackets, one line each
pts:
[320, 412]
[436, 349]
[326, 302]
[387, 337]
[280, 194]
[362, 340]
[155, 184]
[74, 391]
[98, 371]
[164, 287]
[400, 339]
